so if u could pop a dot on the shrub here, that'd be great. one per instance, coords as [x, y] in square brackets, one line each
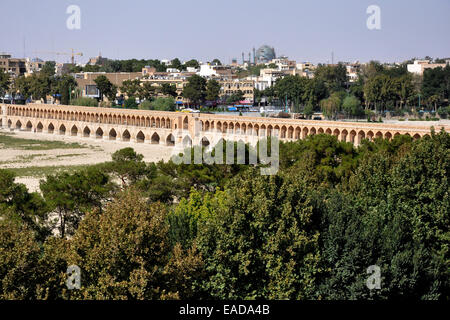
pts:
[85, 102]
[145, 105]
[163, 104]
[130, 103]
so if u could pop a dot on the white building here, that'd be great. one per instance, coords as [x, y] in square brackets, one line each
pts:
[207, 71]
[419, 66]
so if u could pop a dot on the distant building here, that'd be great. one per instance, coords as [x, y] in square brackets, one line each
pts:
[62, 68]
[419, 66]
[97, 60]
[353, 71]
[215, 71]
[86, 84]
[34, 65]
[172, 70]
[157, 79]
[265, 54]
[166, 62]
[306, 69]
[147, 70]
[14, 66]
[230, 87]
[283, 63]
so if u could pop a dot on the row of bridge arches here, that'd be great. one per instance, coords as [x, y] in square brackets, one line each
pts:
[297, 132]
[353, 136]
[99, 133]
[107, 118]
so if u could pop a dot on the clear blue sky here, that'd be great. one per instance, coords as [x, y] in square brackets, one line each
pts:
[305, 30]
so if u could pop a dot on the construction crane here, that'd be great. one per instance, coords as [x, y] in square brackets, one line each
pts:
[73, 54]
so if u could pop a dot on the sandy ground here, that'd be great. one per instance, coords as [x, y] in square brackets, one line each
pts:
[96, 151]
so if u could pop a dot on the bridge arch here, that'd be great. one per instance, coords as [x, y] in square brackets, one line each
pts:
[74, 131]
[290, 132]
[388, 135]
[39, 127]
[336, 133]
[50, 128]
[126, 135]
[86, 132]
[18, 125]
[170, 140]
[29, 126]
[155, 138]
[361, 136]
[140, 137]
[112, 135]
[352, 136]
[99, 133]
[205, 142]
[62, 129]
[305, 132]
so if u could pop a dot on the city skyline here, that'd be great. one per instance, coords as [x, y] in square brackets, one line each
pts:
[156, 31]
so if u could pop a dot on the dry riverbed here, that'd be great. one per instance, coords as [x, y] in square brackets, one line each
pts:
[31, 156]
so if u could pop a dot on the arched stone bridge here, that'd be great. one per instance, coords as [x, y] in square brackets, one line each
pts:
[182, 129]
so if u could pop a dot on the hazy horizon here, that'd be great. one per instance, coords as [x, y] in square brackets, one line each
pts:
[304, 31]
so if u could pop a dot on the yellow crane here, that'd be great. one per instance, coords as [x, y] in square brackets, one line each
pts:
[72, 54]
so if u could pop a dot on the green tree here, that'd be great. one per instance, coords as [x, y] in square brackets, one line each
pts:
[212, 90]
[393, 218]
[195, 89]
[163, 104]
[176, 64]
[64, 85]
[84, 101]
[260, 242]
[70, 196]
[352, 106]
[235, 97]
[334, 76]
[436, 82]
[4, 82]
[130, 87]
[141, 264]
[105, 87]
[49, 68]
[192, 63]
[128, 166]
[332, 105]
[19, 254]
[19, 204]
[146, 91]
[169, 89]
